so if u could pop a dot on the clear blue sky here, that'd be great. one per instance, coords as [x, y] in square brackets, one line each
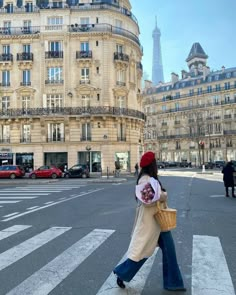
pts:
[212, 23]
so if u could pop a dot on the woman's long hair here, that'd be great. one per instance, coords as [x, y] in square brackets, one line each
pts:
[150, 170]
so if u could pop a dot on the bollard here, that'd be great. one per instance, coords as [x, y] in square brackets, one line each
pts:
[203, 169]
[107, 172]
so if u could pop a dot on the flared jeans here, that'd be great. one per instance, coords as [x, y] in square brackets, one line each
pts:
[172, 278]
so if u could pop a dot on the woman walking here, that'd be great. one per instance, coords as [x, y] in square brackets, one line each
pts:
[147, 233]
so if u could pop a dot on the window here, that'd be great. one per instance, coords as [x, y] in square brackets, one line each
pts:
[55, 21]
[54, 101]
[25, 103]
[190, 103]
[26, 78]
[120, 102]
[97, 43]
[118, 23]
[55, 75]
[199, 91]
[85, 100]
[55, 132]
[5, 133]
[29, 7]
[85, 75]
[5, 78]
[191, 92]
[5, 103]
[215, 99]
[228, 75]
[26, 133]
[97, 70]
[121, 132]
[119, 48]
[227, 85]
[84, 46]
[6, 49]
[163, 108]
[177, 106]
[84, 20]
[86, 132]
[120, 77]
[177, 95]
[9, 8]
[7, 27]
[26, 48]
[218, 87]
[209, 89]
[55, 46]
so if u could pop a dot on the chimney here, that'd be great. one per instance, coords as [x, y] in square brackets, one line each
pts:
[183, 74]
[174, 78]
[223, 69]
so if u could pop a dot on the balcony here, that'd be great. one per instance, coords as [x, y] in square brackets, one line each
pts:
[54, 82]
[26, 83]
[86, 81]
[120, 83]
[85, 138]
[16, 31]
[84, 54]
[25, 140]
[177, 122]
[55, 139]
[6, 57]
[226, 117]
[53, 54]
[5, 84]
[25, 56]
[121, 138]
[121, 57]
[229, 132]
[5, 140]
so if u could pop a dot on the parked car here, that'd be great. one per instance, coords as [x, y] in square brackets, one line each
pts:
[78, 170]
[185, 163]
[219, 164]
[161, 164]
[173, 164]
[11, 171]
[46, 172]
[209, 165]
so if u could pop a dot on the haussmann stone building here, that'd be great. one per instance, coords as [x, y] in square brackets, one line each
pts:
[193, 117]
[70, 83]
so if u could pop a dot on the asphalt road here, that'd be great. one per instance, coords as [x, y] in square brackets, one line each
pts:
[65, 237]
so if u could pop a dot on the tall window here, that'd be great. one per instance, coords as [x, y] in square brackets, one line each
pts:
[119, 48]
[54, 21]
[28, 6]
[84, 20]
[55, 46]
[85, 75]
[26, 48]
[120, 77]
[209, 89]
[54, 101]
[5, 78]
[6, 49]
[227, 85]
[7, 27]
[5, 133]
[121, 132]
[9, 8]
[120, 102]
[5, 104]
[86, 132]
[56, 132]
[25, 103]
[85, 100]
[55, 75]
[26, 133]
[26, 78]
[84, 46]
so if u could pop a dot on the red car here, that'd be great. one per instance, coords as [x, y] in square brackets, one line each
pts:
[46, 172]
[11, 171]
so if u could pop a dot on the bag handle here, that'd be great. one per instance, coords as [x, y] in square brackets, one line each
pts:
[165, 206]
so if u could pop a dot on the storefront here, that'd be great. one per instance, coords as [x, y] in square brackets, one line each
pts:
[124, 159]
[6, 158]
[26, 160]
[91, 158]
[56, 159]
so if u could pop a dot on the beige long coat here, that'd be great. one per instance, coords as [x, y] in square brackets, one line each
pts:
[146, 231]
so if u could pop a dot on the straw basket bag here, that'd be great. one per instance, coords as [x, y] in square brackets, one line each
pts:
[166, 217]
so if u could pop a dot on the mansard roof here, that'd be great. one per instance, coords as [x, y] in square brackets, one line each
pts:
[196, 51]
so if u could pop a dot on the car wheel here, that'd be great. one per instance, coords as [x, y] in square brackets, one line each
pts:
[84, 175]
[12, 176]
[33, 176]
[66, 175]
[54, 176]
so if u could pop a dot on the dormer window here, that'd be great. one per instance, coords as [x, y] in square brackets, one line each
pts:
[29, 7]
[9, 8]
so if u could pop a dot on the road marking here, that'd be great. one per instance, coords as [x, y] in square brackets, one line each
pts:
[210, 273]
[49, 202]
[137, 284]
[32, 191]
[46, 206]
[8, 202]
[48, 277]
[8, 215]
[23, 198]
[30, 208]
[10, 231]
[217, 196]
[24, 194]
[14, 254]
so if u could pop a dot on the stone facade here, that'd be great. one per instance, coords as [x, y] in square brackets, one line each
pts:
[71, 84]
[193, 118]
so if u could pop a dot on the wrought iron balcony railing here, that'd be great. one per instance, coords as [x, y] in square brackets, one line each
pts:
[19, 30]
[54, 54]
[84, 54]
[25, 139]
[55, 139]
[5, 140]
[73, 111]
[121, 56]
[25, 83]
[120, 83]
[85, 138]
[84, 81]
[5, 84]
[6, 57]
[24, 56]
[121, 138]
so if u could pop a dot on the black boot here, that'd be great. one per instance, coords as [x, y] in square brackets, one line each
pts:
[119, 282]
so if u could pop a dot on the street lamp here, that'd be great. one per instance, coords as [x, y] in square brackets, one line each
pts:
[88, 149]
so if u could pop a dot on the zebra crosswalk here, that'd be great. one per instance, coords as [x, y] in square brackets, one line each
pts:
[210, 273]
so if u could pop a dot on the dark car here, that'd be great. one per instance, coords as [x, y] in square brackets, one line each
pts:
[160, 164]
[219, 164]
[11, 171]
[78, 170]
[185, 164]
[209, 165]
[96, 167]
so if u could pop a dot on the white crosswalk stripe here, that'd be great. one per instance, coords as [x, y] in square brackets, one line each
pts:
[210, 273]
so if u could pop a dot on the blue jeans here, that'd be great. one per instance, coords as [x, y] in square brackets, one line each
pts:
[172, 278]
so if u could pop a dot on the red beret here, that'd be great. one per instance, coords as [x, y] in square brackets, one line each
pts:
[147, 159]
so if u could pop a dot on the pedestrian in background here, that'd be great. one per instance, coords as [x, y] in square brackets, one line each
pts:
[147, 233]
[136, 167]
[228, 178]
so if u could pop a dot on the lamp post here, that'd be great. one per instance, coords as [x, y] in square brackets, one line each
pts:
[88, 149]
